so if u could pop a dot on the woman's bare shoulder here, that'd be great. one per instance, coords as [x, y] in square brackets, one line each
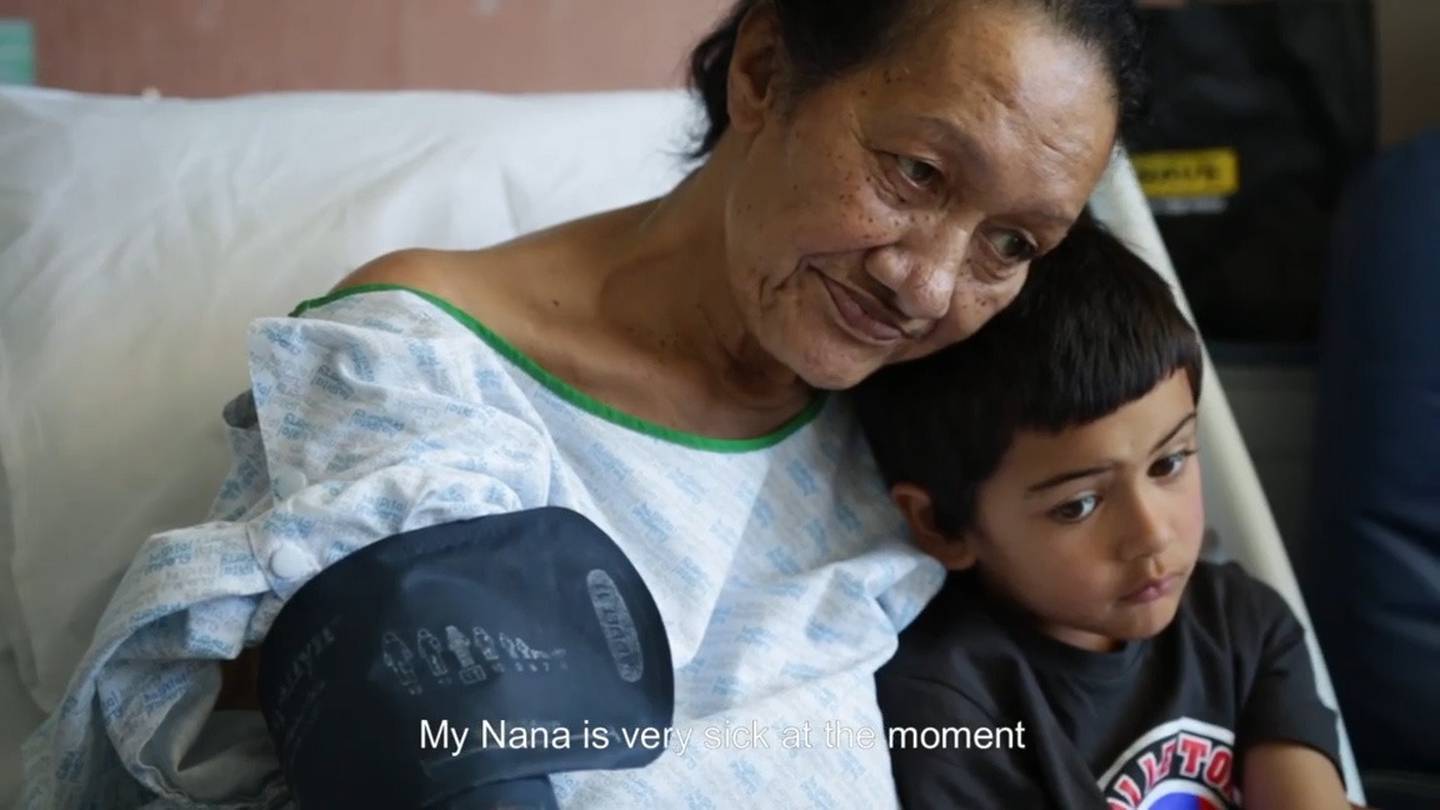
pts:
[469, 279]
[439, 272]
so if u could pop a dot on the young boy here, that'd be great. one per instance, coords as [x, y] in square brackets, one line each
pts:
[1050, 463]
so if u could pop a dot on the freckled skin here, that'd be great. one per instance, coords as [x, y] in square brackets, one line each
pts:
[819, 192]
[913, 187]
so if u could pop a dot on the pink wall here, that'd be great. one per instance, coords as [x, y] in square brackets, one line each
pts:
[221, 47]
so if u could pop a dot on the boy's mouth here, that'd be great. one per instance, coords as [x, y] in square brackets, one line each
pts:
[1152, 589]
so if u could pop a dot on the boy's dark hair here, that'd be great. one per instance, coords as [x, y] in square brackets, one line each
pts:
[1094, 329]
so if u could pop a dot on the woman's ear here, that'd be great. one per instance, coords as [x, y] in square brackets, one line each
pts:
[753, 84]
[955, 553]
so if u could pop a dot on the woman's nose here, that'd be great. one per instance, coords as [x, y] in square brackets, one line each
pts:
[921, 271]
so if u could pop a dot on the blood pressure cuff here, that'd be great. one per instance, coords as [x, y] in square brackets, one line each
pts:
[456, 666]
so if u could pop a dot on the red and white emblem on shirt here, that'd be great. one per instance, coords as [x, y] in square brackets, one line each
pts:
[1184, 764]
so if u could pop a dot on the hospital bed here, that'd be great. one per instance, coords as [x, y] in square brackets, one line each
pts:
[138, 236]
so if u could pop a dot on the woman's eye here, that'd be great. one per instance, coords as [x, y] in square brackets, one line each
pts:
[1171, 465]
[1012, 246]
[1076, 510]
[919, 172]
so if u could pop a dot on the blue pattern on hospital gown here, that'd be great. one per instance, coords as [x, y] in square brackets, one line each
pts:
[782, 573]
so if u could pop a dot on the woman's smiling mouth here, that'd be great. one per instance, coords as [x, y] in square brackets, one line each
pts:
[862, 316]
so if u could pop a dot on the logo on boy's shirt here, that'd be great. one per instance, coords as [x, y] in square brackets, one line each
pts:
[1184, 764]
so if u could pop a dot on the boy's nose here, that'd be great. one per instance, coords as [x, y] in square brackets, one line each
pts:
[1148, 532]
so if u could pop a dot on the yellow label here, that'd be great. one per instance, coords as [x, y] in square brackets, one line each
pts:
[1197, 173]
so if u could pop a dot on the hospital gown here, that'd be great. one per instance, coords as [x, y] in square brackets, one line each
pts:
[781, 571]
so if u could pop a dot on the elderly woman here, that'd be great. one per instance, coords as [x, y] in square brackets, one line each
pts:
[877, 177]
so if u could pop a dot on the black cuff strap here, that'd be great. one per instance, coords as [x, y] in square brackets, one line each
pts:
[521, 634]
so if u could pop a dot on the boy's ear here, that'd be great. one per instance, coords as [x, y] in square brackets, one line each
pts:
[755, 64]
[955, 553]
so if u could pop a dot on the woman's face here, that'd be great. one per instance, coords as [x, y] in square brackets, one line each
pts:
[891, 212]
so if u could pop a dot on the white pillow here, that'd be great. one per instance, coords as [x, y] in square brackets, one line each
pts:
[139, 237]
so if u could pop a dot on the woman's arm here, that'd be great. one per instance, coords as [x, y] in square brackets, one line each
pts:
[1286, 776]
[365, 420]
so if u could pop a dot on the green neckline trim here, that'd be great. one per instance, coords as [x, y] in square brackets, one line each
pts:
[573, 395]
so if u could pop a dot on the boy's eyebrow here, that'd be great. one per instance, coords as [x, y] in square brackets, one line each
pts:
[1168, 436]
[1057, 480]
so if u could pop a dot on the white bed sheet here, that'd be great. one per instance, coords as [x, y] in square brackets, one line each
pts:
[18, 715]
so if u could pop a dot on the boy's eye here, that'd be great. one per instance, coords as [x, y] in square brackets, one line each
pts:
[1076, 510]
[1171, 465]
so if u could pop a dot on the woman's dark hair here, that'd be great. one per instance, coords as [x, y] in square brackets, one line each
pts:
[825, 38]
[1093, 330]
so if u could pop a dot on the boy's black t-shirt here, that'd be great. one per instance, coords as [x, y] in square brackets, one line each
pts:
[1169, 716]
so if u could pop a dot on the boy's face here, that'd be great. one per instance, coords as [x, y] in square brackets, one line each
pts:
[1094, 531]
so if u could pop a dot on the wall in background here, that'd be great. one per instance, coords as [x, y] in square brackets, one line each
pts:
[223, 47]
